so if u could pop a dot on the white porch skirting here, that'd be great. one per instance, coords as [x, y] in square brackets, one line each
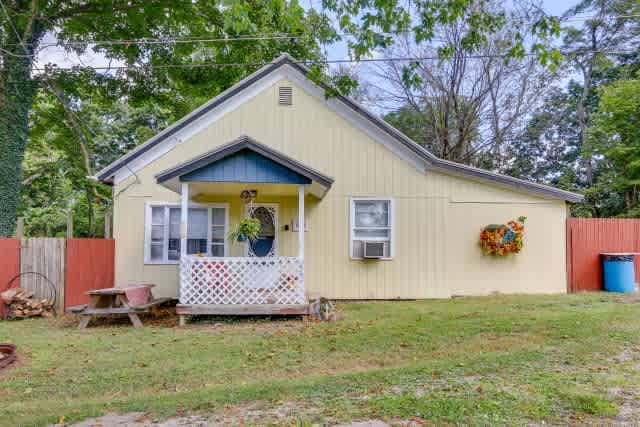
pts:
[241, 280]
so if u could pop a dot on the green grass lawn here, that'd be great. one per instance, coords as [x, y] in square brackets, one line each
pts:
[492, 360]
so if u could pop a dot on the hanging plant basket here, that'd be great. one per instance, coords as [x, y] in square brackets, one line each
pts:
[247, 229]
[503, 239]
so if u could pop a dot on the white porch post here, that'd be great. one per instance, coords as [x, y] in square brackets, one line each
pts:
[184, 218]
[301, 221]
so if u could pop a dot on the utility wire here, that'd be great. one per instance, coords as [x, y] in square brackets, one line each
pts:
[309, 62]
[257, 37]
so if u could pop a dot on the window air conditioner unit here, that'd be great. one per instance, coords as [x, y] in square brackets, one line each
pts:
[374, 250]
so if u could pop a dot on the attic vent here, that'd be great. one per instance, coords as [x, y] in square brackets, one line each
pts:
[285, 95]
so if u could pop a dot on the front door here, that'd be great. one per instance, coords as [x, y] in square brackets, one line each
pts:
[267, 243]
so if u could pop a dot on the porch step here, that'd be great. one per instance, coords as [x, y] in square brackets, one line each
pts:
[243, 309]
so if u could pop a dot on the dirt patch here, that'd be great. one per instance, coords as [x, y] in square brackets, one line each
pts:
[166, 317]
[254, 418]
[158, 316]
[256, 413]
[629, 412]
[630, 298]
[628, 354]
[366, 423]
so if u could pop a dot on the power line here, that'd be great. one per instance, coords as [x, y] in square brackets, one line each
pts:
[256, 37]
[586, 18]
[169, 40]
[307, 62]
[176, 40]
[187, 40]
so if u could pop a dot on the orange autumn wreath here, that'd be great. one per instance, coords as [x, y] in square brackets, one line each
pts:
[503, 239]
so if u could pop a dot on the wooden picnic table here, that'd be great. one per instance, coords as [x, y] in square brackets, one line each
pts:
[110, 301]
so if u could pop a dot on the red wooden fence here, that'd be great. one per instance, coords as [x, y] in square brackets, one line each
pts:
[90, 265]
[9, 265]
[587, 238]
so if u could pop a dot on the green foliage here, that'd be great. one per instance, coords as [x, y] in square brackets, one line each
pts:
[87, 119]
[247, 229]
[572, 140]
[411, 123]
[615, 135]
[547, 147]
[16, 94]
[373, 23]
[449, 133]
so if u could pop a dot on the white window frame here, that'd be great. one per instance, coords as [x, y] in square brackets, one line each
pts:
[165, 249]
[392, 225]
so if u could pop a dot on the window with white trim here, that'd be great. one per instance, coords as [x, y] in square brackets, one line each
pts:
[206, 232]
[371, 220]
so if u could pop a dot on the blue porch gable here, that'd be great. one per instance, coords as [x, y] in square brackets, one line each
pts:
[245, 160]
[245, 166]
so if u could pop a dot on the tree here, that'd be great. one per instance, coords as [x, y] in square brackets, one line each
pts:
[376, 24]
[58, 160]
[555, 146]
[82, 25]
[614, 137]
[470, 102]
[591, 47]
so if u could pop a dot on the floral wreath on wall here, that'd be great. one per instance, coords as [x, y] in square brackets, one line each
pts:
[503, 239]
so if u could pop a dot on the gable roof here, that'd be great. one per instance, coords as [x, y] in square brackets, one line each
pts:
[107, 174]
[244, 143]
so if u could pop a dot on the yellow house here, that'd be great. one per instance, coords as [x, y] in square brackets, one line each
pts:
[349, 208]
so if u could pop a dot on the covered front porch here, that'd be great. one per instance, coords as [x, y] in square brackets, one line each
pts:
[260, 276]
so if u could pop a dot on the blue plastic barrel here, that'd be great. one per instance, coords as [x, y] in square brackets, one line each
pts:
[619, 272]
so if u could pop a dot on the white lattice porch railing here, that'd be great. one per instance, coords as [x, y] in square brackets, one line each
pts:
[241, 280]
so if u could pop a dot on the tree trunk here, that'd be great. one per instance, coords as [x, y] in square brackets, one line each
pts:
[582, 122]
[90, 211]
[583, 114]
[17, 91]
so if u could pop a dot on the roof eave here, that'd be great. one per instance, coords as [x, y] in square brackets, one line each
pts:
[522, 185]
[108, 173]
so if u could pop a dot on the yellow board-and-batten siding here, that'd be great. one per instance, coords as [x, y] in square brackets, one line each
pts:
[437, 216]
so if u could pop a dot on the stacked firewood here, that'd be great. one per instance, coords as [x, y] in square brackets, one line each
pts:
[21, 303]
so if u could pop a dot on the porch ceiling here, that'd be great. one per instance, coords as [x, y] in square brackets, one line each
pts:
[204, 190]
[245, 162]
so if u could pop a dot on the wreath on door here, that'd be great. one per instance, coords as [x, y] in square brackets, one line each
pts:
[503, 239]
